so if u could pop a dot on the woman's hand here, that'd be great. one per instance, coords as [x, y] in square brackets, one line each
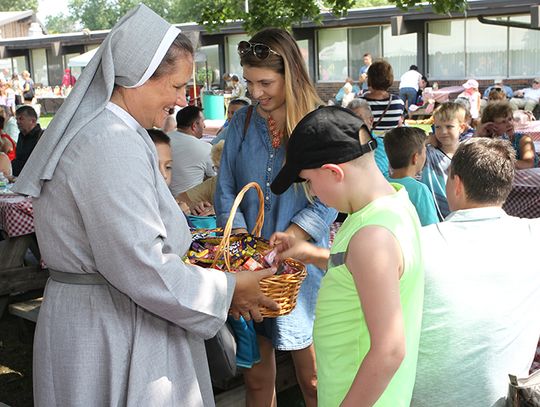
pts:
[488, 129]
[247, 297]
[287, 246]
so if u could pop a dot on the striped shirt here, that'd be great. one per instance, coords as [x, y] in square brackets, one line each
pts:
[392, 116]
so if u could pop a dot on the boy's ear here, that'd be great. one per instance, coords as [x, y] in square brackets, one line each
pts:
[336, 171]
[414, 158]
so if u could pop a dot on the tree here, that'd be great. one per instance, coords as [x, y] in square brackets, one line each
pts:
[285, 13]
[103, 14]
[61, 23]
[18, 5]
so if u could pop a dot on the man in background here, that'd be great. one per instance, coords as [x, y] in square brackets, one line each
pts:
[30, 132]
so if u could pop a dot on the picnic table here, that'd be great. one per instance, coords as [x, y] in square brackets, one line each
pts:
[17, 275]
[524, 199]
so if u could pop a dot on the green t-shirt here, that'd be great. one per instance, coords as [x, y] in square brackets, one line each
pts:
[340, 332]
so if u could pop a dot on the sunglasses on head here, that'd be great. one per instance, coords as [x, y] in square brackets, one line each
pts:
[261, 51]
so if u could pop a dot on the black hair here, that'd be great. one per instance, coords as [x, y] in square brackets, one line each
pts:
[158, 136]
[28, 111]
[187, 116]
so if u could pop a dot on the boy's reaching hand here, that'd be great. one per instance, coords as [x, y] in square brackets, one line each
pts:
[287, 245]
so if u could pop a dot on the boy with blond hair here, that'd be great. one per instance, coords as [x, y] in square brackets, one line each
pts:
[406, 151]
[448, 122]
[368, 313]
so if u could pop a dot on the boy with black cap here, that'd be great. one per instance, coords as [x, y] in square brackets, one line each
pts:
[369, 309]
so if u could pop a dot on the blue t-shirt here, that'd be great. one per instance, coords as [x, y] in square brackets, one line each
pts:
[434, 175]
[421, 198]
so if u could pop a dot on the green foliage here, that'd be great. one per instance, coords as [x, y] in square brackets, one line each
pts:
[103, 14]
[18, 5]
[61, 24]
[285, 13]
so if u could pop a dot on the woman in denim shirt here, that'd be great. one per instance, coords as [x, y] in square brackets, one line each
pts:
[278, 81]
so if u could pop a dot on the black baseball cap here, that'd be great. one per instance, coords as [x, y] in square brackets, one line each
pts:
[328, 135]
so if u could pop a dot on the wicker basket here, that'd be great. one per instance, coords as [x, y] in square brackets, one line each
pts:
[282, 288]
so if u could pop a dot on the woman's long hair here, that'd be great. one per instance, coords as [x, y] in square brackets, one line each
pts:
[300, 94]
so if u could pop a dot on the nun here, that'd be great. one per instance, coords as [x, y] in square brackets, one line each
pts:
[123, 320]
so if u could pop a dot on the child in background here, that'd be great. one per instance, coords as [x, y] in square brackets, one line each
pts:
[362, 109]
[449, 123]
[163, 148]
[474, 97]
[406, 151]
[368, 313]
[498, 121]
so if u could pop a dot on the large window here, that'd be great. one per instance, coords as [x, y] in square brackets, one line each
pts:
[209, 59]
[524, 45]
[486, 59]
[19, 64]
[400, 51]
[332, 55]
[233, 60]
[362, 41]
[341, 51]
[446, 54]
[39, 67]
[459, 49]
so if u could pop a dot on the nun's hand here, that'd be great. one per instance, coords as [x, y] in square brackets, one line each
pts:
[247, 297]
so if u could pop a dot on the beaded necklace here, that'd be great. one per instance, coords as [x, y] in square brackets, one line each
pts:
[275, 134]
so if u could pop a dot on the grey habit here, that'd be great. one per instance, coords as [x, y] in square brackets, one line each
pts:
[102, 206]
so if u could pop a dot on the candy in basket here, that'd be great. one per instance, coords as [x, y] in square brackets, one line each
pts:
[250, 252]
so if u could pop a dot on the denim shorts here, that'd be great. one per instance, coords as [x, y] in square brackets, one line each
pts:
[295, 331]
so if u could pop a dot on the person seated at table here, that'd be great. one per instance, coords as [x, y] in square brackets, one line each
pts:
[480, 319]
[406, 151]
[164, 153]
[199, 200]
[234, 105]
[498, 122]
[449, 123]
[238, 88]
[191, 155]
[424, 83]
[527, 98]
[30, 133]
[387, 108]
[5, 162]
[8, 146]
[496, 95]
[341, 92]
[498, 84]
[472, 94]
[469, 130]
[361, 108]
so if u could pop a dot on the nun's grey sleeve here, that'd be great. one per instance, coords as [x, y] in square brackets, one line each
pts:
[119, 206]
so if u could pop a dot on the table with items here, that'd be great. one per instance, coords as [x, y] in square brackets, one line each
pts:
[20, 261]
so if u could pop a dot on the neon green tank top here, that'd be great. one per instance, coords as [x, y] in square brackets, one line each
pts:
[340, 332]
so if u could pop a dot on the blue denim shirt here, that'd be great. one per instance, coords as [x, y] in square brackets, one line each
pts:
[252, 158]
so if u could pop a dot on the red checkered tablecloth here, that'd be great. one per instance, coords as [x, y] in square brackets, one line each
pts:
[16, 215]
[524, 199]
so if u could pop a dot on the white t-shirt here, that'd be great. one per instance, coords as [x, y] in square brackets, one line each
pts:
[410, 79]
[191, 161]
[531, 93]
[481, 302]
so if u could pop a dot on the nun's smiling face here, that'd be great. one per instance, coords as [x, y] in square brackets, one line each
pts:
[151, 103]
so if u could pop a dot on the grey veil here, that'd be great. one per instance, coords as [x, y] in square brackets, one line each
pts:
[128, 56]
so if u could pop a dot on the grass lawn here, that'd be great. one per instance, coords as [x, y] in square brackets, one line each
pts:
[44, 120]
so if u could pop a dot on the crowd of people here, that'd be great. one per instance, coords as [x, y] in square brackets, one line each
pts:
[411, 304]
